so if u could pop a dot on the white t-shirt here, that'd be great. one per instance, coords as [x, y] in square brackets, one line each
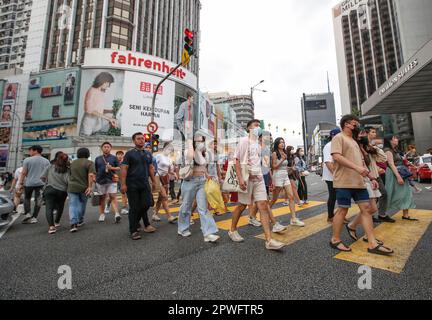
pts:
[327, 175]
[249, 153]
[17, 176]
[163, 163]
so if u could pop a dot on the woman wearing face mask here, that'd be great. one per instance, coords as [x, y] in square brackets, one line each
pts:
[193, 188]
[164, 166]
[290, 151]
[399, 192]
[302, 170]
[281, 179]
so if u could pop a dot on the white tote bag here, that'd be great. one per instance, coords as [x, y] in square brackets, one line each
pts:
[231, 183]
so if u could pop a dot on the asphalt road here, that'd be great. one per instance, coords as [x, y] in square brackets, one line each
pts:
[106, 264]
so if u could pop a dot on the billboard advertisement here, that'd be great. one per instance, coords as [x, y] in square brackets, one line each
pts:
[118, 103]
[4, 155]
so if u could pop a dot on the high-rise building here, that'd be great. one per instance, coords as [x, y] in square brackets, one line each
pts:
[316, 109]
[243, 105]
[375, 39]
[153, 27]
[14, 28]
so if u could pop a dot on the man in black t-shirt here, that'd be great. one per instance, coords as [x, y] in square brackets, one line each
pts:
[136, 170]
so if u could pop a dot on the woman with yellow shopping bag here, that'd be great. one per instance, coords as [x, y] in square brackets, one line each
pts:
[193, 187]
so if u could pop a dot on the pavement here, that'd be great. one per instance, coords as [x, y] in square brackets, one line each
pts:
[106, 264]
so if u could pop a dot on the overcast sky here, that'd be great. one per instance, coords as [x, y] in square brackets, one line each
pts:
[287, 43]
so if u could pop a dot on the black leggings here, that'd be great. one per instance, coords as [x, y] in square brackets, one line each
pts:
[331, 199]
[54, 200]
[302, 189]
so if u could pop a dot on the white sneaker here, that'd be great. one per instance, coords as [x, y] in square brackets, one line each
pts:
[117, 218]
[297, 222]
[235, 236]
[33, 221]
[192, 222]
[27, 218]
[274, 245]
[172, 219]
[124, 211]
[185, 234]
[156, 218]
[301, 203]
[254, 222]
[277, 228]
[286, 203]
[211, 238]
[102, 218]
[107, 210]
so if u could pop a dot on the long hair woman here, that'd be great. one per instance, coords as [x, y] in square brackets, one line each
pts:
[56, 178]
[302, 170]
[193, 188]
[290, 151]
[281, 179]
[399, 193]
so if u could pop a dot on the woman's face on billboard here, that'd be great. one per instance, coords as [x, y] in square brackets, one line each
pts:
[105, 86]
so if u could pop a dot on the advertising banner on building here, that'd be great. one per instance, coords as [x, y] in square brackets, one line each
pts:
[5, 133]
[48, 133]
[4, 155]
[118, 103]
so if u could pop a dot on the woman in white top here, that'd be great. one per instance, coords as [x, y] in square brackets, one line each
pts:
[281, 179]
[164, 166]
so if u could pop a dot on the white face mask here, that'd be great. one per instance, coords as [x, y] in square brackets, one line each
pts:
[200, 146]
[293, 152]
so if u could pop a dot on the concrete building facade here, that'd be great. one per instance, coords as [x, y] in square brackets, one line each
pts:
[243, 105]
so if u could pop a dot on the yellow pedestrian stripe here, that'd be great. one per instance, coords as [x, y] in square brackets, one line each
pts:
[313, 225]
[401, 236]
[226, 224]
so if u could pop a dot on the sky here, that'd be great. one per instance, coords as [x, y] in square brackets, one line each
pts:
[287, 43]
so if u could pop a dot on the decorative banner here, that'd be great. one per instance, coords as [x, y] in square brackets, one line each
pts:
[70, 84]
[51, 91]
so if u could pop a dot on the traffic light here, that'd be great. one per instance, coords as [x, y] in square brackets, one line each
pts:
[155, 142]
[188, 47]
[147, 137]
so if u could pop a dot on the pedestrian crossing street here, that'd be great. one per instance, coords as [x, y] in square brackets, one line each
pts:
[402, 236]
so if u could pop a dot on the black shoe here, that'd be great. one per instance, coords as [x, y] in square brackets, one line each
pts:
[376, 220]
[73, 228]
[386, 219]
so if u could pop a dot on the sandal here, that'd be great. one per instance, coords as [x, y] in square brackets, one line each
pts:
[377, 250]
[352, 233]
[336, 246]
[381, 243]
[409, 219]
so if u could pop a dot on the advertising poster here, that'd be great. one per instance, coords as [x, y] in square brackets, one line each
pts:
[48, 133]
[70, 84]
[6, 112]
[4, 155]
[101, 103]
[137, 105]
[34, 83]
[10, 91]
[29, 111]
[118, 103]
[5, 133]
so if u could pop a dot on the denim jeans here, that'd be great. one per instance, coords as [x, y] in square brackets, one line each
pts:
[191, 189]
[77, 207]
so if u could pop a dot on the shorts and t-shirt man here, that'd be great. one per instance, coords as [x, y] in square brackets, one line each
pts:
[105, 184]
[249, 153]
[349, 184]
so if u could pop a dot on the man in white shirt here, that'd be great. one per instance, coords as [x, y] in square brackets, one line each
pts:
[328, 169]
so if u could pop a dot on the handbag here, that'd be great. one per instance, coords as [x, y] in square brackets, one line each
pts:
[404, 172]
[231, 183]
[96, 198]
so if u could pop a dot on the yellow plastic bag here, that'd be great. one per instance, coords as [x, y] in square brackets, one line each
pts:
[214, 195]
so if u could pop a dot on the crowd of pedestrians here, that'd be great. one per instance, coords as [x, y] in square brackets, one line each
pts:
[355, 168]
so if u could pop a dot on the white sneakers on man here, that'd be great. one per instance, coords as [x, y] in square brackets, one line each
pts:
[124, 211]
[274, 245]
[277, 228]
[107, 209]
[102, 218]
[156, 218]
[235, 236]
[254, 222]
[185, 234]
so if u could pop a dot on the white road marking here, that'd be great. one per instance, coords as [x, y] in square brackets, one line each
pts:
[6, 228]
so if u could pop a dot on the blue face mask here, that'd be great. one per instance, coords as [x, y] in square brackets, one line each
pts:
[257, 132]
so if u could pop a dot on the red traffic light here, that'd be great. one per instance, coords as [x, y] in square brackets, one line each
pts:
[189, 34]
[147, 137]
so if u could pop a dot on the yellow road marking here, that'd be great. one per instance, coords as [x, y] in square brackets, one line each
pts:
[313, 225]
[401, 236]
[226, 224]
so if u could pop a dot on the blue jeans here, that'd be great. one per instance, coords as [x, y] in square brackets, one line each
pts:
[191, 189]
[77, 207]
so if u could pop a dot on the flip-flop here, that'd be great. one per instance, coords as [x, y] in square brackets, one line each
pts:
[377, 240]
[379, 252]
[409, 219]
[350, 231]
[336, 245]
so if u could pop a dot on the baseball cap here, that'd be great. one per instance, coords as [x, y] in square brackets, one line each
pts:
[335, 132]
[147, 145]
